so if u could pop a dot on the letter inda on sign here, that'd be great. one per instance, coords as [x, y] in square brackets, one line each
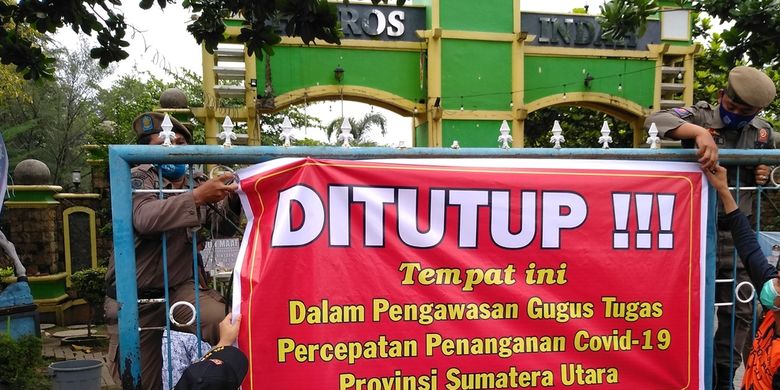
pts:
[421, 275]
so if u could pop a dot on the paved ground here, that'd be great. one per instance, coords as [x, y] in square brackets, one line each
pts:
[53, 350]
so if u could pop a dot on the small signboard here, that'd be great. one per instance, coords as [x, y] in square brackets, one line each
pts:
[220, 254]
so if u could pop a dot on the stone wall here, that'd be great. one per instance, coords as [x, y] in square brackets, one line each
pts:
[34, 233]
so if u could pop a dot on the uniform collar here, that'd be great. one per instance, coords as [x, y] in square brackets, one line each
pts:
[717, 123]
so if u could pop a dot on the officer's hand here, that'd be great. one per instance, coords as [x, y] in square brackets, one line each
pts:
[215, 189]
[708, 151]
[762, 174]
[228, 330]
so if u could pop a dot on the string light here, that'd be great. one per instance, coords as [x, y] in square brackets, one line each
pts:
[511, 104]
[679, 75]
[539, 88]
[620, 87]
[461, 103]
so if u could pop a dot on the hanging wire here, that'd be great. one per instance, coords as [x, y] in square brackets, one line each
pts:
[553, 87]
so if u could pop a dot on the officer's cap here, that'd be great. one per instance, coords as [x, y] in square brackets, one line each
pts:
[752, 86]
[222, 368]
[151, 123]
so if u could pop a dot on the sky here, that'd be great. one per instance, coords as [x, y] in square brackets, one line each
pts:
[159, 40]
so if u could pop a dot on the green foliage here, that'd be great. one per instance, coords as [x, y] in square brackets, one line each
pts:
[272, 130]
[623, 17]
[6, 272]
[581, 128]
[21, 362]
[90, 285]
[308, 19]
[753, 33]
[51, 122]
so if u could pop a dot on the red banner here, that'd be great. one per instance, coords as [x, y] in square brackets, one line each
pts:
[472, 274]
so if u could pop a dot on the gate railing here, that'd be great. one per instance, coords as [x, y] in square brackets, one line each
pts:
[123, 157]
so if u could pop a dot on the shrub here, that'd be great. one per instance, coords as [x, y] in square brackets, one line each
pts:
[90, 285]
[21, 363]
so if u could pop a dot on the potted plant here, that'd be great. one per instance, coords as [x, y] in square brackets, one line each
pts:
[89, 284]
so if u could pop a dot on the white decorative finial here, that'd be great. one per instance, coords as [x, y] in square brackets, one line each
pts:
[401, 145]
[653, 140]
[227, 133]
[287, 129]
[166, 134]
[557, 138]
[346, 134]
[504, 138]
[455, 145]
[605, 139]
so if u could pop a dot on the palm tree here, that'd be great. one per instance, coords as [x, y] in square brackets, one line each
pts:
[360, 128]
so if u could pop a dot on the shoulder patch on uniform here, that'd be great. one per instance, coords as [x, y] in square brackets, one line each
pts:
[763, 135]
[137, 179]
[682, 112]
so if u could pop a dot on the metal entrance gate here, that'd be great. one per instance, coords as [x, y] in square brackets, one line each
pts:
[121, 158]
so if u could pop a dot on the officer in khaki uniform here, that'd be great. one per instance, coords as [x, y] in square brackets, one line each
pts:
[177, 216]
[731, 124]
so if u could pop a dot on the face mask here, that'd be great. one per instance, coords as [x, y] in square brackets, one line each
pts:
[732, 120]
[173, 171]
[768, 295]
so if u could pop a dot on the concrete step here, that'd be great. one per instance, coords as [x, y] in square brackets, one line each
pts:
[229, 54]
[229, 73]
[230, 91]
[675, 70]
[672, 87]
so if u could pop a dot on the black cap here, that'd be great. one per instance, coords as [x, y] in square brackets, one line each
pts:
[223, 368]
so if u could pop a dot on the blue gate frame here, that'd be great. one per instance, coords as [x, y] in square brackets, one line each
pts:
[122, 157]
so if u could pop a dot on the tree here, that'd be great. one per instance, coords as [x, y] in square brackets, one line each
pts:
[360, 127]
[308, 19]
[581, 128]
[90, 285]
[623, 17]
[272, 125]
[755, 33]
[51, 123]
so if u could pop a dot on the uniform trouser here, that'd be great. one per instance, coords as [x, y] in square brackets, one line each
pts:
[743, 314]
[212, 311]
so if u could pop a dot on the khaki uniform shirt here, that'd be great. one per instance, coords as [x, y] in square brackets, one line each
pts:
[177, 216]
[755, 135]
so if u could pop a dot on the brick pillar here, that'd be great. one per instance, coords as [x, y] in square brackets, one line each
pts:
[31, 212]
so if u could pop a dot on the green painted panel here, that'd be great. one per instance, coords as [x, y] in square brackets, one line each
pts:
[478, 71]
[421, 135]
[471, 133]
[397, 72]
[545, 76]
[47, 289]
[470, 16]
